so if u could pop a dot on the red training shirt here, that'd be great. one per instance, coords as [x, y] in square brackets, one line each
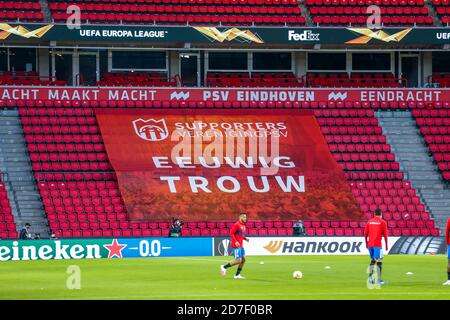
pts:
[376, 228]
[237, 234]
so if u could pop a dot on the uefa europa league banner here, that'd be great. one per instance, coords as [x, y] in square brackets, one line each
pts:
[244, 35]
[213, 164]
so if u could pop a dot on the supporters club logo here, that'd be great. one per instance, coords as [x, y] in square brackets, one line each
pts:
[151, 130]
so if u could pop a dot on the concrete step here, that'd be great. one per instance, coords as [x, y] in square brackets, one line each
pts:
[27, 192]
[431, 175]
[421, 187]
[21, 220]
[9, 113]
[422, 161]
[419, 162]
[415, 168]
[30, 212]
[433, 193]
[23, 188]
[6, 131]
[21, 176]
[15, 135]
[14, 168]
[18, 181]
[10, 122]
[435, 199]
[408, 150]
[438, 206]
[27, 172]
[411, 159]
[26, 204]
[441, 211]
[407, 141]
[422, 177]
[408, 154]
[12, 149]
[11, 137]
[14, 157]
[36, 222]
[5, 140]
[402, 132]
[34, 197]
[397, 120]
[404, 150]
[429, 184]
[23, 184]
[31, 201]
[397, 123]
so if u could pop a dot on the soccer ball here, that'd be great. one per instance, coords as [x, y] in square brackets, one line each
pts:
[297, 274]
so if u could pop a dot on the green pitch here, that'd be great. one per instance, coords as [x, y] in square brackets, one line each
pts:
[199, 278]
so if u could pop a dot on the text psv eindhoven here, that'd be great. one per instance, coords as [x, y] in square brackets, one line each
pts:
[257, 95]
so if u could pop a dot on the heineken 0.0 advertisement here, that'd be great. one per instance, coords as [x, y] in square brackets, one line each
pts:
[104, 248]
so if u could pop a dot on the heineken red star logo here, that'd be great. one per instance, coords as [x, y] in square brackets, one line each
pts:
[115, 249]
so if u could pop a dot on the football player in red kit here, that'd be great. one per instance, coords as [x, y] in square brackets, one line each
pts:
[237, 234]
[376, 228]
[447, 237]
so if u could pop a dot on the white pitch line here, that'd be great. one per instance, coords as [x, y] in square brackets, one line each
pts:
[259, 295]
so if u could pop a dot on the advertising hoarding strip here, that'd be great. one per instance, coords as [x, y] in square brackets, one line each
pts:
[283, 246]
[94, 95]
[249, 36]
[67, 249]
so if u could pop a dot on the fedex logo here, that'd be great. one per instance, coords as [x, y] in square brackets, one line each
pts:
[306, 35]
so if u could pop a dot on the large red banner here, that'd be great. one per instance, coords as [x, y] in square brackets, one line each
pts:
[211, 165]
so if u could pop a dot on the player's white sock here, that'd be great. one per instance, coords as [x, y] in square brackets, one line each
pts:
[371, 266]
[378, 271]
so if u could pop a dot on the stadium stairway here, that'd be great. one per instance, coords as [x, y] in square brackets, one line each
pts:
[410, 151]
[15, 165]
[432, 12]
[305, 13]
[46, 10]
